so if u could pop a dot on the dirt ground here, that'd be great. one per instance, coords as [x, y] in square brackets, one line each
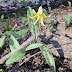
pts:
[61, 38]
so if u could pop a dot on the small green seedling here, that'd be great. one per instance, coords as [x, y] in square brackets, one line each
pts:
[54, 22]
[70, 59]
[7, 27]
[2, 17]
[49, 8]
[1, 70]
[52, 30]
[24, 2]
[69, 3]
[23, 19]
[1, 24]
[67, 21]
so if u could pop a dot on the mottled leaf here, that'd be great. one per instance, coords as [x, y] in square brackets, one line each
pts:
[52, 30]
[33, 46]
[67, 20]
[48, 56]
[12, 33]
[22, 32]
[1, 24]
[15, 57]
[2, 41]
[13, 43]
[53, 22]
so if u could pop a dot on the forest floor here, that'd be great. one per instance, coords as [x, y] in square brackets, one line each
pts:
[61, 38]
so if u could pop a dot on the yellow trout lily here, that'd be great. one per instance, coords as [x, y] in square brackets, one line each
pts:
[39, 15]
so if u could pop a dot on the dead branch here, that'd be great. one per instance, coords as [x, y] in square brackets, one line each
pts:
[30, 57]
[22, 46]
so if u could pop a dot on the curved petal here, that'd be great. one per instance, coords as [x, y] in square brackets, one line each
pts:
[40, 10]
[41, 21]
[44, 16]
[34, 16]
[34, 12]
[36, 20]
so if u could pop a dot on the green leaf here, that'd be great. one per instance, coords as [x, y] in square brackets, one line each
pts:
[23, 19]
[12, 33]
[22, 32]
[8, 23]
[69, 3]
[15, 57]
[33, 28]
[49, 8]
[2, 17]
[17, 29]
[33, 46]
[2, 41]
[13, 43]
[70, 58]
[53, 22]
[62, 6]
[70, 16]
[1, 70]
[52, 30]
[24, 2]
[1, 24]
[70, 7]
[48, 56]
[67, 21]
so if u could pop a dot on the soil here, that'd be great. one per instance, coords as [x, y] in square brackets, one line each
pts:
[59, 43]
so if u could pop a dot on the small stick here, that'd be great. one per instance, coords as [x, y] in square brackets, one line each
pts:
[30, 57]
[34, 55]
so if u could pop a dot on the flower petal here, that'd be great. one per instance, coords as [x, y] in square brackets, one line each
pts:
[41, 21]
[34, 16]
[34, 12]
[36, 20]
[40, 10]
[44, 16]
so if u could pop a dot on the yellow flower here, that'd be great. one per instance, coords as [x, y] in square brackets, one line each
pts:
[39, 15]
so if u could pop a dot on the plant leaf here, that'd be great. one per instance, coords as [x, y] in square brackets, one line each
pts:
[22, 32]
[12, 33]
[1, 24]
[23, 19]
[70, 16]
[49, 8]
[33, 46]
[53, 22]
[15, 57]
[69, 3]
[1, 70]
[13, 43]
[48, 56]
[52, 30]
[2, 41]
[67, 21]
[2, 17]
[8, 23]
[62, 6]
[33, 28]
[70, 58]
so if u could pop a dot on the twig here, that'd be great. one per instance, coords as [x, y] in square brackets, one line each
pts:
[30, 57]
[34, 55]
[22, 46]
